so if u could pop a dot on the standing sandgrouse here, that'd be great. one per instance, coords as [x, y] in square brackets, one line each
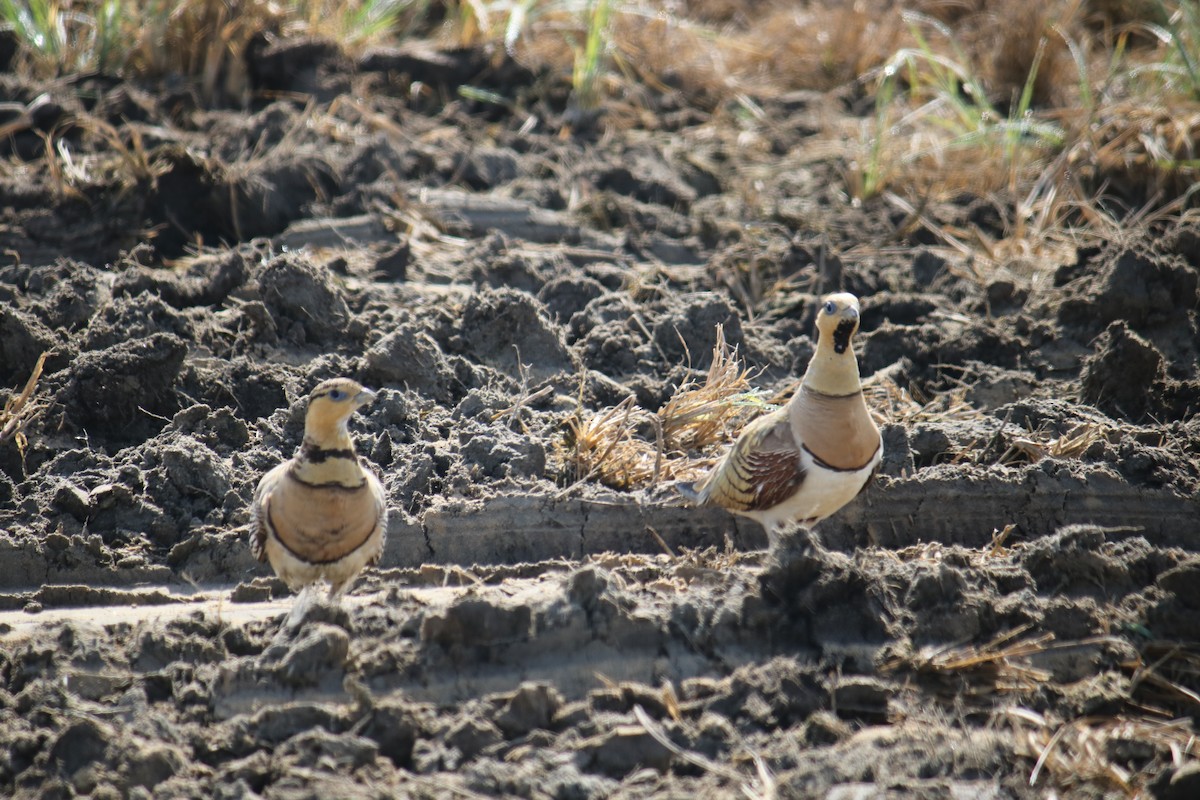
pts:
[801, 463]
[321, 515]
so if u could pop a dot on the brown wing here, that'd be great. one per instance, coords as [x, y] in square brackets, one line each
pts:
[761, 470]
[258, 543]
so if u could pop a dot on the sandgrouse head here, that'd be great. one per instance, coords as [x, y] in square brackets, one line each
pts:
[837, 321]
[331, 404]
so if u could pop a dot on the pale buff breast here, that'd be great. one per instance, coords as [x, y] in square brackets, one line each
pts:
[838, 430]
[323, 524]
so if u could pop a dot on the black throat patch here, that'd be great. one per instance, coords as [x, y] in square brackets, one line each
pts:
[842, 334]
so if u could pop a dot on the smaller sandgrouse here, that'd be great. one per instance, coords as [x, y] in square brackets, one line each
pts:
[322, 516]
[803, 462]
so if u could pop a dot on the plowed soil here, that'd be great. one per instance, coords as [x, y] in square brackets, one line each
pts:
[1010, 611]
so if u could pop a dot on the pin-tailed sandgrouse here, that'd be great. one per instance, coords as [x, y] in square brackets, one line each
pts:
[321, 516]
[803, 462]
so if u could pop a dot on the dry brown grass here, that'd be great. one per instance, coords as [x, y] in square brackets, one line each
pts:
[627, 447]
[819, 45]
[1144, 149]
[1027, 37]
[894, 403]
[607, 448]
[1118, 754]
[1111, 15]
[1105, 750]
[712, 52]
[1072, 444]
[701, 415]
[1167, 675]
[998, 667]
[205, 41]
[1099, 751]
[22, 409]
[769, 47]
[106, 157]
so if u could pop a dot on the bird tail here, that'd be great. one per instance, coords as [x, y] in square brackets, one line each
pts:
[691, 492]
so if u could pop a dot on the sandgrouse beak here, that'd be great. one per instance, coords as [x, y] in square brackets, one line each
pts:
[364, 397]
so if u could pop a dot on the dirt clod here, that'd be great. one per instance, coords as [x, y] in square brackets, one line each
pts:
[304, 302]
[1126, 377]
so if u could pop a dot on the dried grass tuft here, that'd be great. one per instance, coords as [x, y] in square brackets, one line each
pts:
[1073, 444]
[1101, 751]
[764, 50]
[1121, 753]
[997, 667]
[1027, 45]
[120, 159]
[204, 40]
[21, 409]
[820, 45]
[1143, 149]
[699, 416]
[608, 449]
[613, 445]
[895, 403]
[694, 561]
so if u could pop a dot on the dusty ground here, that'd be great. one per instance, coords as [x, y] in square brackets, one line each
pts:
[1009, 612]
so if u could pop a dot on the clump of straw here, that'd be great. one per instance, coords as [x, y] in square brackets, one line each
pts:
[627, 447]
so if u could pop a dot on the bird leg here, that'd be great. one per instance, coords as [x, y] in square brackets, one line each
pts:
[300, 608]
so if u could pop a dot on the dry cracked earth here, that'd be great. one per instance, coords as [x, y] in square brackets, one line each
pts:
[1011, 611]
